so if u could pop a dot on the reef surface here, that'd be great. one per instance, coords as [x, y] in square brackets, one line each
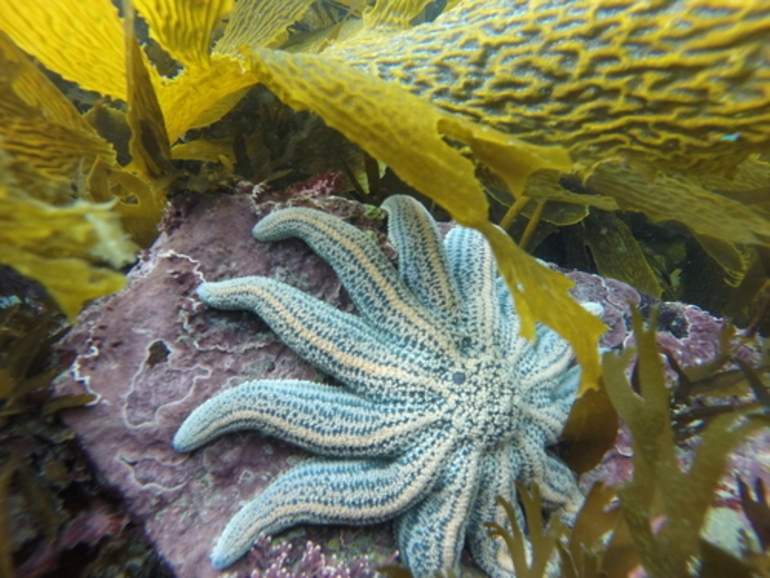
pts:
[152, 352]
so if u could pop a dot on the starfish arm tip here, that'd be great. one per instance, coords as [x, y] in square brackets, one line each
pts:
[187, 437]
[222, 558]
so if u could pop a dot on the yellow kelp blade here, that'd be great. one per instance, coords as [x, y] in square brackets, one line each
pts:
[211, 85]
[60, 246]
[70, 282]
[735, 260]
[402, 131]
[206, 150]
[183, 28]
[541, 295]
[682, 199]
[82, 41]
[544, 186]
[34, 87]
[140, 201]
[149, 146]
[390, 124]
[393, 14]
[511, 158]
[259, 23]
[38, 124]
[198, 96]
[617, 253]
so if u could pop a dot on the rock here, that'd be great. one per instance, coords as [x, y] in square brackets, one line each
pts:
[153, 352]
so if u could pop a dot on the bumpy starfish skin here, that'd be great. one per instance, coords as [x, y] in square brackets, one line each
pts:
[444, 405]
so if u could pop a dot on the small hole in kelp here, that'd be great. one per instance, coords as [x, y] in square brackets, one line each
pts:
[157, 353]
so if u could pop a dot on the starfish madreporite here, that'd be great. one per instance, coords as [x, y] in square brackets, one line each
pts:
[444, 406]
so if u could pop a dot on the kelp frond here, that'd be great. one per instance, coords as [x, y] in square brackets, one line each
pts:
[210, 83]
[757, 511]
[27, 367]
[311, 82]
[543, 541]
[664, 506]
[63, 246]
[590, 119]
[724, 385]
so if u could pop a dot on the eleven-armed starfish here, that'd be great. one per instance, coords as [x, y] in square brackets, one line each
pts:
[444, 406]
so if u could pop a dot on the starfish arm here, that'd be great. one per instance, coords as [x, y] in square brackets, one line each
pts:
[558, 487]
[322, 419]
[335, 492]
[422, 260]
[545, 361]
[474, 270]
[547, 423]
[497, 479]
[511, 344]
[567, 385]
[338, 343]
[546, 398]
[431, 535]
[372, 282]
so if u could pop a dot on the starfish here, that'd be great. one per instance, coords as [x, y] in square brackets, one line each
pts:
[443, 407]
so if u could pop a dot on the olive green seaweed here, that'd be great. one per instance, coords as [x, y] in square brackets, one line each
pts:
[660, 493]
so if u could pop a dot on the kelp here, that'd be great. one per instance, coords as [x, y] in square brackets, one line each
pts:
[183, 29]
[38, 125]
[257, 24]
[725, 385]
[60, 35]
[756, 510]
[445, 176]
[665, 507]
[63, 246]
[617, 253]
[595, 546]
[48, 235]
[536, 89]
[26, 371]
[543, 540]
[594, 79]
[441, 172]
[678, 198]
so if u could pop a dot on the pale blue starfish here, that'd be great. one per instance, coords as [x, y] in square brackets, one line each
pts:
[444, 407]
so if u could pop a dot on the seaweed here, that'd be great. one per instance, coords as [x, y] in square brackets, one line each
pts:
[66, 245]
[756, 511]
[664, 506]
[211, 81]
[543, 541]
[55, 517]
[439, 145]
[724, 385]
[26, 371]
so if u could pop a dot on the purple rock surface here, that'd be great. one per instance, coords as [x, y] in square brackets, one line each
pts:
[153, 352]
